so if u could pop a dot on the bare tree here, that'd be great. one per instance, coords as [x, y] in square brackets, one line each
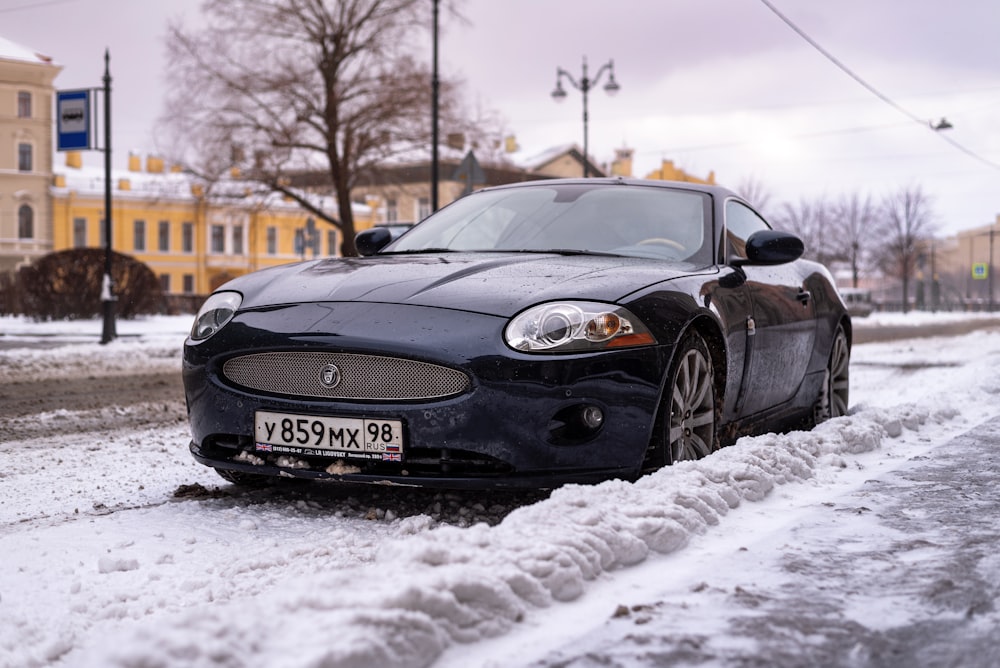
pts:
[855, 217]
[279, 87]
[813, 222]
[906, 224]
[753, 191]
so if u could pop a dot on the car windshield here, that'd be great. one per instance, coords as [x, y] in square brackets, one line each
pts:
[638, 221]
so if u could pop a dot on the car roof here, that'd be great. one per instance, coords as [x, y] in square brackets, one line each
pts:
[714, 190]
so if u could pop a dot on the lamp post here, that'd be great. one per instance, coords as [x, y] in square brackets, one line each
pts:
[435, 113]
[108, 330]
[584, 86]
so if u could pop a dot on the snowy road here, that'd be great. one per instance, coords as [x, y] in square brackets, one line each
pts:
[867, 542]
[901, 571]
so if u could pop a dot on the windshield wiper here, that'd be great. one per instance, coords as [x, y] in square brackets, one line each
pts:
[415, 251]
[565, 251]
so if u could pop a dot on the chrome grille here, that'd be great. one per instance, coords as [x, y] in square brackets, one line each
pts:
[360, 376]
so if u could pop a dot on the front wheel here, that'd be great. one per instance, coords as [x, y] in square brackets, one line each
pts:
[689, 422]
[832, 401]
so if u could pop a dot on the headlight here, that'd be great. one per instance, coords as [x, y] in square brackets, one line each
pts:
[575, 327]
[217, 310]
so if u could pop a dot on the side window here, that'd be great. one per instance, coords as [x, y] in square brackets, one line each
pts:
[741, 222]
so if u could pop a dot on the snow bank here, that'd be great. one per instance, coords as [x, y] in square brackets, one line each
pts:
[450, 585]
[68, 349]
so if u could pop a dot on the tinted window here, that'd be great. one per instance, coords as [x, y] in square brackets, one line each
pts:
[640, 221]
[741, 222]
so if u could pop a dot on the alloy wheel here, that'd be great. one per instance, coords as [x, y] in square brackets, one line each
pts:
[691, 432]
[833, 400]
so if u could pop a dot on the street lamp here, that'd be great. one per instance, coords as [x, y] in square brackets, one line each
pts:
[584, 86]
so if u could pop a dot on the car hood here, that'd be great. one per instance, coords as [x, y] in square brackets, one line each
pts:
[498, 284]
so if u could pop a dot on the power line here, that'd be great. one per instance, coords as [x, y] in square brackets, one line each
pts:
[871, 89]
[34, 5]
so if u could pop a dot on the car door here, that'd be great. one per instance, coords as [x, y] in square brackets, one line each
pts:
[783, 319]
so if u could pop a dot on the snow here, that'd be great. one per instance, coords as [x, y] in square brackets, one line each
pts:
[12, 51]
[121, 551]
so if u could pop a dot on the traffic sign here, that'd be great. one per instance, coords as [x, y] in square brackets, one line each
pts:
[980, 271]
[73, 120]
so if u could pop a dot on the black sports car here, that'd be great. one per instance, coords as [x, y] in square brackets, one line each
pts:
[525, 335]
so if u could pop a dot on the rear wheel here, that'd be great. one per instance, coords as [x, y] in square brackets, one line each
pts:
[833, 395]
[689, 424]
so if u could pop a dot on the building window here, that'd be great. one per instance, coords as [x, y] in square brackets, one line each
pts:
[218, 243]
[164, 236]
[423, 208]
[165, 283]
[391, 211]
[187, 237]
[25, 222]
[316, 242]
[24, 155]
[331, 242]
[188, 282]
[238, 240]
[103, 233]
[23, 104]
[272, 240]
[79, 233]
[139, 235]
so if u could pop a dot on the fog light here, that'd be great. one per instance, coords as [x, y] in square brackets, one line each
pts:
[592, 417]
[575, 424]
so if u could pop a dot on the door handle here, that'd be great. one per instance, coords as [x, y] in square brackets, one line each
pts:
[804, 296]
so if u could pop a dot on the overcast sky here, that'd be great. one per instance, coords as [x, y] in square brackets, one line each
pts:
[714, 85]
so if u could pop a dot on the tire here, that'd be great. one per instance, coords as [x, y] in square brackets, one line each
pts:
[689, 422]
[243, 479]
[833, 396]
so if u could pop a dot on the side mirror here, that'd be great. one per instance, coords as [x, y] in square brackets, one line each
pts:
[372, 241]
[773, 247]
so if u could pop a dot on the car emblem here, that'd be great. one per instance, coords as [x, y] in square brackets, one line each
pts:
[329, 376]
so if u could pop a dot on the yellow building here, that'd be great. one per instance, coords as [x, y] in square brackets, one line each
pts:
[192, 234]
[26, 142]
[668, 172]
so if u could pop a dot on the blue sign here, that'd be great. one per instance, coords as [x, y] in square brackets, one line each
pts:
[980, 271]
[73, 120]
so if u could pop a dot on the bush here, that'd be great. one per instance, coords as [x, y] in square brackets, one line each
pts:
[67, 285]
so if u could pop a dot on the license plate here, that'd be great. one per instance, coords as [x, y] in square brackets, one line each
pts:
[356, 438]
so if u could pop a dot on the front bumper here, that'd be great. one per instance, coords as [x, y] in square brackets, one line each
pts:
[513, 427]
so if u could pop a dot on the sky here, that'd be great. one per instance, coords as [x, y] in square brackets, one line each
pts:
[723, 86]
